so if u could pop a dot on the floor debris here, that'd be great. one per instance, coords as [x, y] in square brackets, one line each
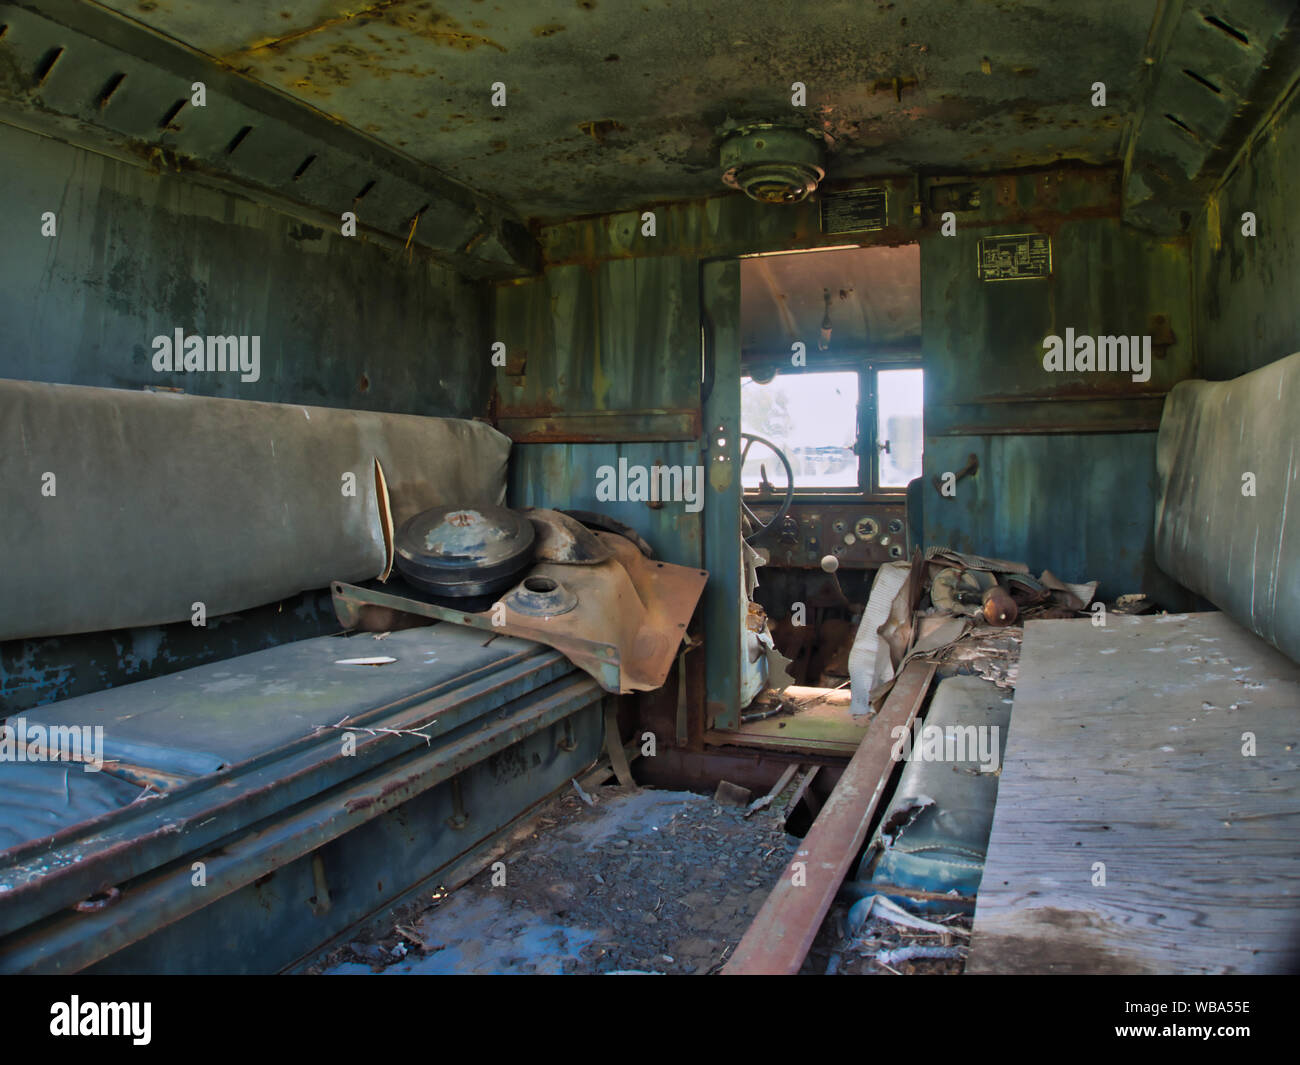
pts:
[651, 882]
[884, 948]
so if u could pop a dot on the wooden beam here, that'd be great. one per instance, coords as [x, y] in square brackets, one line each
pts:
[782, 933]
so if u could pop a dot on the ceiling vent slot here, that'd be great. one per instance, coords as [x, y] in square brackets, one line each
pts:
[238, 139]
[46, 64]
[106, 93]
[1203, 81]
[1231, 31]
[303, 167]
[172, 112]
[364, 192]
[1184, 127]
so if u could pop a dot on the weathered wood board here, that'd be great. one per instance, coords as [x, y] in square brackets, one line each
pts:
[1127, 751]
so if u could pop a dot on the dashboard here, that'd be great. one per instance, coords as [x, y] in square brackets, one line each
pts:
[860, 535]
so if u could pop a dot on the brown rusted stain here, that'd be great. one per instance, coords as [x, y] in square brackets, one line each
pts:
[434, 26]
[600, 128]
[276, 42]
[542, 408]
[550, 29]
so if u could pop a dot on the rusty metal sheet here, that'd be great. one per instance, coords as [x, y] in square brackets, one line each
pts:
[779, 939]
[564, 539]
[626, 629]
[564, 427]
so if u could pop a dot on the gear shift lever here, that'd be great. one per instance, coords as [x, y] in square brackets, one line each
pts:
[830, 564]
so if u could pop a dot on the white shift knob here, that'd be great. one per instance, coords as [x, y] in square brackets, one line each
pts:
[830, 563]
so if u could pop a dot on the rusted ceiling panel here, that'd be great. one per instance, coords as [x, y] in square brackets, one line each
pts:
[1218, 68]
[80, 73]
[610, 106]
[871, 298]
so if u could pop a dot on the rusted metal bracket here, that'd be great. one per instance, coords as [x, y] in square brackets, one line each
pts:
[782, 933]
[320, 902]
[614, 747]
[971, 468]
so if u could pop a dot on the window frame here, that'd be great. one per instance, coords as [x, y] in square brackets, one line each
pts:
[868, 485]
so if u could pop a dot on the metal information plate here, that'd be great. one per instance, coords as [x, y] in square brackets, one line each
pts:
[853, 210]
[1015, 258]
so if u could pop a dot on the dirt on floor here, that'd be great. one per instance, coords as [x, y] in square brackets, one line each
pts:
[640, 882]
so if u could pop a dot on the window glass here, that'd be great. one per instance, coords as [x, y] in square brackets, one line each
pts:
[898, 423]
[812, 417]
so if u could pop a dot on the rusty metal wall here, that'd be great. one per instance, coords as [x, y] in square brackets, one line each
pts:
[138, 254]
[1075, 490]
[606, 351]
[1248, 288]
[603, 365]
[1067, 460]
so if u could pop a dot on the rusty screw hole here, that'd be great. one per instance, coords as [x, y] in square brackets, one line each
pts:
[101, 901]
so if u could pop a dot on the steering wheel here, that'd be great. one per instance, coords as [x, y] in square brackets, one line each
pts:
[784, 509]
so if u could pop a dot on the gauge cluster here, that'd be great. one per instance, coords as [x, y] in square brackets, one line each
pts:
[861, 536]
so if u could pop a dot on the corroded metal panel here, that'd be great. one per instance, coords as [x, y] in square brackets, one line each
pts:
[1081, 505]
[1247, 311]
[615, 106]
[724, 596]
[584, 345]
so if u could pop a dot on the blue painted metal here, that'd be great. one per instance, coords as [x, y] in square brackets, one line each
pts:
[1080, 505]
[138, 254]
[42, 877]
[228, 713]
[34, 672]
[448, 704]
[602, 346]
[1080, 502]
[373, 840]
[721, 450]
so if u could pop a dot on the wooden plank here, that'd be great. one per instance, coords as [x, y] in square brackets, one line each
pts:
[825, 725]
[801, 793]
[1126, 751]
[779, 939]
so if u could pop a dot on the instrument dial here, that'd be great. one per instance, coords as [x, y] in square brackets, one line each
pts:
[866, 528]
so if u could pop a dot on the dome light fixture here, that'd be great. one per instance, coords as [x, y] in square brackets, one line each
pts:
[772, 163]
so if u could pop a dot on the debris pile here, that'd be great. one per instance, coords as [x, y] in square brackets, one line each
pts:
[875, 936]
[640, 882]
[964, 611]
